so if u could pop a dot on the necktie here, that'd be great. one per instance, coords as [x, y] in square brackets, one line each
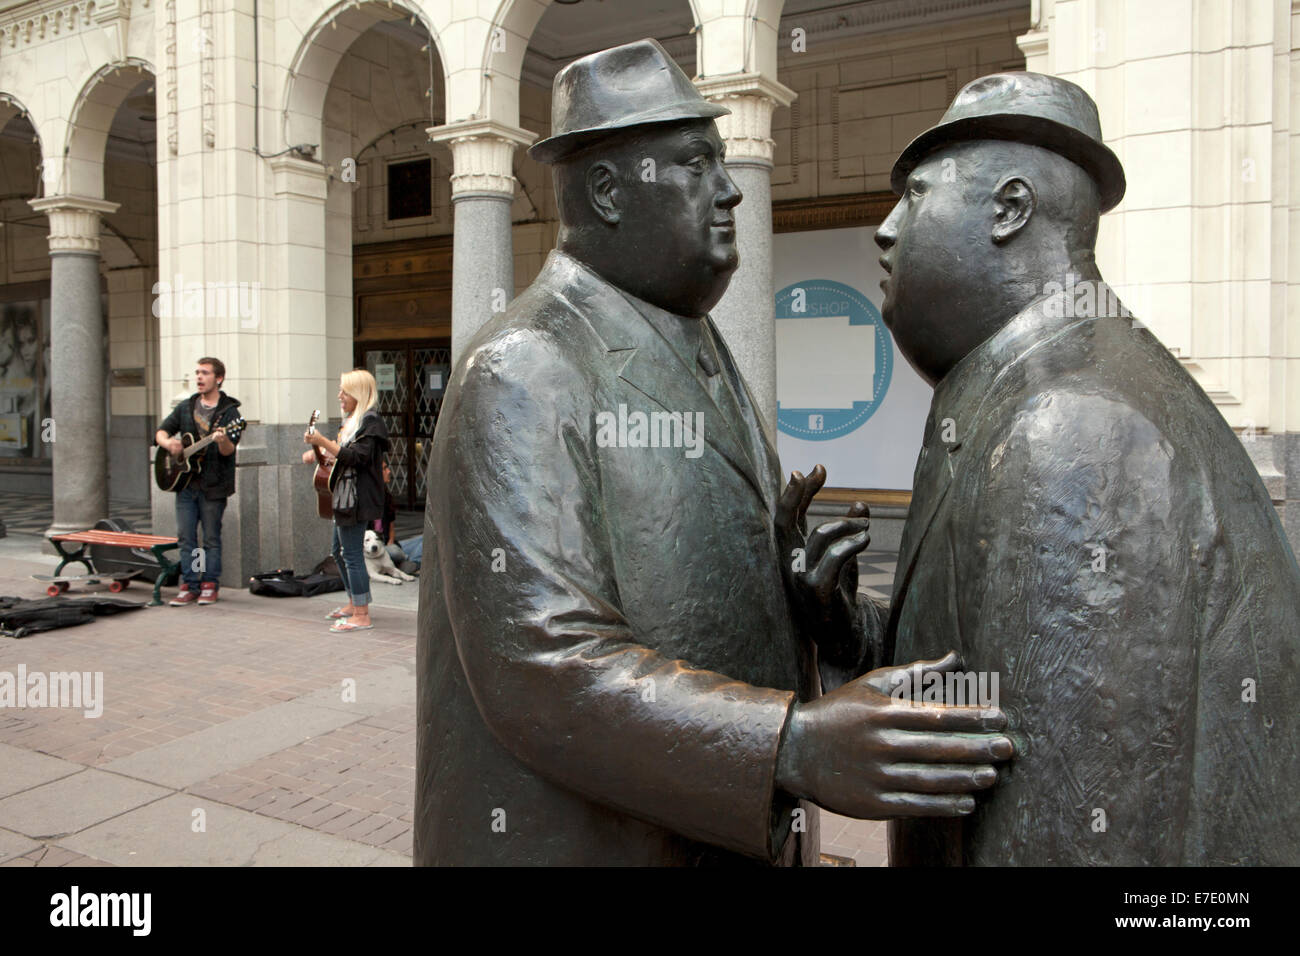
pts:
[721, 393]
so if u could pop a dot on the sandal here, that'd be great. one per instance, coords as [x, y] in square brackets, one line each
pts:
[339, 627]
[336, 614]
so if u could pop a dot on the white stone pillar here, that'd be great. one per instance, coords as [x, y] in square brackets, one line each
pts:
[80, 419]
[132, 352]
[746, 316]
[482, 191]
[1198, 102]
[310, 347]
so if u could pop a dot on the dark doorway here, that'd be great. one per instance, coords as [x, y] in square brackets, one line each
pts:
[412, 378]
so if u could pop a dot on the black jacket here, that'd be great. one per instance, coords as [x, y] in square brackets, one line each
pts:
[366, 453]
[216, 471]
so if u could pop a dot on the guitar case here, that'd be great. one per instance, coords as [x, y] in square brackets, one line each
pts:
[284, 583]
[113, 560]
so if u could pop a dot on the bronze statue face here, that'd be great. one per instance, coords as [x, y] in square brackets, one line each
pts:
[981, 228]
[937, 254]
[657, 215]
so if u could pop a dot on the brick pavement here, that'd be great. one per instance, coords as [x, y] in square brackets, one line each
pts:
[238, 714]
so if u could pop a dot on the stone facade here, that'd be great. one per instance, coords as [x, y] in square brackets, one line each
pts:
[272, 128]
[1201, 101]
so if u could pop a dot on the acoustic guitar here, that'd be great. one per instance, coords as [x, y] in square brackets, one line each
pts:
[174, 472]
[321, 476]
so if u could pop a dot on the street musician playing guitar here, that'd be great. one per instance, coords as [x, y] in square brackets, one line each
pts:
[201, 498]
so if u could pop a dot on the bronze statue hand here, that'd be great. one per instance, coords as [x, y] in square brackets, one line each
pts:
[819, 569]
[863, 753]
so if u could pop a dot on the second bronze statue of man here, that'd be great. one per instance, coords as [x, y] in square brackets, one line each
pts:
[1083, 522]
[618, 662]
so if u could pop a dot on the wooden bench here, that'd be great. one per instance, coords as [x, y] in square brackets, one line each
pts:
[157, 544]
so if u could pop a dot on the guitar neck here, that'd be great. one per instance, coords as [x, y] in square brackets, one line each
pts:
[320, 455]
[198, 446]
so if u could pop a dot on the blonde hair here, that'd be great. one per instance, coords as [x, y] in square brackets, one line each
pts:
[360, 384]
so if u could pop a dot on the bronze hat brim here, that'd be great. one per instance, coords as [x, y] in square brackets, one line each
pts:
[1095, 158]
[555, 148]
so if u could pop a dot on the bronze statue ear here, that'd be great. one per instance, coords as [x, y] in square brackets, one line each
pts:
[1015, 200]
[602, 191]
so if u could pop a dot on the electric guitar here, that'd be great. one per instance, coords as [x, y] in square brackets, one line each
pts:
[173, 472]
[322, 475]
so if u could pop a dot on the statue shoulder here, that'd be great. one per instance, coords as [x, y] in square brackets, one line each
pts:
[1069, 438]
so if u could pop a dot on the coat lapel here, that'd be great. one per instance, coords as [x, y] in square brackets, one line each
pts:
[934, 472]
[642, 357]
[761, 453]
[959, 401]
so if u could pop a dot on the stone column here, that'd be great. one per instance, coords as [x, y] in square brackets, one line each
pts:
[746, 316]
[482, 191]
[76, 362]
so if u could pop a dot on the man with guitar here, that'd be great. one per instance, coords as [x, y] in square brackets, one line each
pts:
[201, 495]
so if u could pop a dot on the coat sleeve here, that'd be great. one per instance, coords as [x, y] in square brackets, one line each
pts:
[370, 443]
[1075, 571]
[230, 416]
[556, 669]
[866, 648]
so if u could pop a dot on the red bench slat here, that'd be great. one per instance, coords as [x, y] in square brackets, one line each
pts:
[121, 538]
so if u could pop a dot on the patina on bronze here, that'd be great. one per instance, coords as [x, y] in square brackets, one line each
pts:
[1083, 519]
[618, 650]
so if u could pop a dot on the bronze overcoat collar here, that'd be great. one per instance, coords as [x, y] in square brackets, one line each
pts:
[643, 358]
[959, 406]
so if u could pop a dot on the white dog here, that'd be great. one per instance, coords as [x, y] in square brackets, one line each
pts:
[379, 565]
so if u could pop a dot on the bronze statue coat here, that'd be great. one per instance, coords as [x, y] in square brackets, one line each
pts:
[1085, 523]
[588, 613]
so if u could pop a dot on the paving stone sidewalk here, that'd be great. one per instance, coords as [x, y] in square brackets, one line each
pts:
[238, 734]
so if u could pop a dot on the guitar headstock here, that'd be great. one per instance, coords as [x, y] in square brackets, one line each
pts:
[232, 429]
[315, 415]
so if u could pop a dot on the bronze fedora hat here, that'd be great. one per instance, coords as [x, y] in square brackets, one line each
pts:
[630, 85]
[1031, 108]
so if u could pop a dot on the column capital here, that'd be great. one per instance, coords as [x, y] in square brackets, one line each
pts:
[1034, 44]
[482, 153]
[74, 221]
[751, 97]
[297, 176]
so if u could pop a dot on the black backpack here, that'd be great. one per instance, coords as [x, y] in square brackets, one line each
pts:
[110, 559]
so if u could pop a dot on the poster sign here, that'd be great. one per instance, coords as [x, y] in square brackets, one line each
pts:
[846, 397]
[847, 359]
[386, 377]
[24, 378]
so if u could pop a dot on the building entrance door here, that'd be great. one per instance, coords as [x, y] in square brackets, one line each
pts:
[412, 377]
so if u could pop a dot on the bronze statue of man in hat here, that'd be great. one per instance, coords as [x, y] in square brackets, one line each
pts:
[1083, 522]
[618, 663]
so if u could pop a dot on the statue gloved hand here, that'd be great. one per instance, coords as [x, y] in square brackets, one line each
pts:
[820, 570]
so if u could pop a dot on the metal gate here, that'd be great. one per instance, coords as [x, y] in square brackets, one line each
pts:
[412, 379]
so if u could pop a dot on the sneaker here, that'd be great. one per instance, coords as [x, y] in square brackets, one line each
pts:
[208, 594]
[185, 597]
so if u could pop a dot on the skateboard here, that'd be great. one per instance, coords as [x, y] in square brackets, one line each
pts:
[117, 581]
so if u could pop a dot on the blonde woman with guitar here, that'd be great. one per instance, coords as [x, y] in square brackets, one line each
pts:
[357, 483]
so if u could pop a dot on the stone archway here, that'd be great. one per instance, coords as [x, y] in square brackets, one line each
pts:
[80, 213]
[323, 46]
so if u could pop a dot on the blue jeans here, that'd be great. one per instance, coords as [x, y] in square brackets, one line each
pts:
[413, 548]
[352, 562]
[193, 509]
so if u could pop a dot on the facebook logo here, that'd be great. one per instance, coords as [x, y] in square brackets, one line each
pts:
[815, 423]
